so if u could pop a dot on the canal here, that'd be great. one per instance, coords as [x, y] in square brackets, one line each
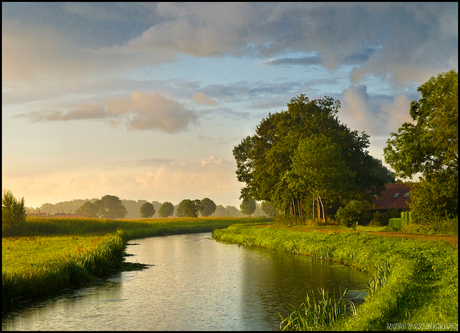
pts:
[196, 283]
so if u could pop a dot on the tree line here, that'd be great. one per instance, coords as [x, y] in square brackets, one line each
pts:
[308, 164]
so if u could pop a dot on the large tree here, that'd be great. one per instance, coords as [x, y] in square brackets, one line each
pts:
[264, 159]
[319, 172]
[429, 145]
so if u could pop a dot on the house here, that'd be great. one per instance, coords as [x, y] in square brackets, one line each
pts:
[395, 195]
[70, 216]
[35, 214]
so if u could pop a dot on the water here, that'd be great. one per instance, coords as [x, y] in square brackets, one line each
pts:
[196, 283]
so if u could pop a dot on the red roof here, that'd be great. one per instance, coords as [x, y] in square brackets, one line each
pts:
[395, 196]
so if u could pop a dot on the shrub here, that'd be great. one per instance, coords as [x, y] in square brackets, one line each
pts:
[13, 211]
[351, 213]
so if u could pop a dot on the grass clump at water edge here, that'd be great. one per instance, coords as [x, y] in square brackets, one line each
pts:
[314, 314]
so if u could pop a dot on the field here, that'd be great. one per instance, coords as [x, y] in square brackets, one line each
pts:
[414, 281]
[50, 254]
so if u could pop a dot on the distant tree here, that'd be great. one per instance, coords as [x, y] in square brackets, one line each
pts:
[188, 208]
[112, 207]
[232, 211]
[109, 207]
[429, 145]
[248, 206]
[92, 209]
[220, 211]
[268, 208]
[147, 210]
[207, 207]
[166, 209]
[13, 210]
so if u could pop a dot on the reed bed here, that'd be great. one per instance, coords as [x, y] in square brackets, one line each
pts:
[413, 281]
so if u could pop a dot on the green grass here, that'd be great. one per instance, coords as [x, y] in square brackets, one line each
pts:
[414, 281]
[46, 255]
[62, 263]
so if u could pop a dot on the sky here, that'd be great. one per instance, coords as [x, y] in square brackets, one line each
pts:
[147, 100]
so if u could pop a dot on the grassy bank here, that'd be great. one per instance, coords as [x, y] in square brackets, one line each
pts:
[46, 255]
[413, 282]
[63, 263]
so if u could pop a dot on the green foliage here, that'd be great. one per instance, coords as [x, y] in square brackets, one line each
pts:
[433, 197]
[13, 211]
[248, 206]
[188, 208]
[351, 213]
[442, 226]
[147, 210]
[429, 145]
[268, 208]
[265, 160]
[381, 218]
[206, 207]
[166, 209]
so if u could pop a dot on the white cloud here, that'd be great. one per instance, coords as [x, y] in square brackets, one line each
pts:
[375, 116]
[139, 111]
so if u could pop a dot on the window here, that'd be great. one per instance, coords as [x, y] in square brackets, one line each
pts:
[396, 195]
[406, 195]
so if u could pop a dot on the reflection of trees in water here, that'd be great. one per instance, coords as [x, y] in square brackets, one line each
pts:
[276, 279]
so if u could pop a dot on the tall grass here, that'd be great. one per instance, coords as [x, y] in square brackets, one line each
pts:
[317, 314]
[413, 281]
[62, 271]
[64, 226]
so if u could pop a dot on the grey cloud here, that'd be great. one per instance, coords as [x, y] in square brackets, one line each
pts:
[306, 61]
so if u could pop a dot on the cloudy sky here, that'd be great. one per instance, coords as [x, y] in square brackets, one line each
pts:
[147, 100]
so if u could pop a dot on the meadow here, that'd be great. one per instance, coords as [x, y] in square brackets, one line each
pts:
[46, 255]
[414, 283]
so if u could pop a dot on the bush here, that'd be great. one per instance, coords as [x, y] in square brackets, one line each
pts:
[13, 211]
[381, 218]
[351, 213]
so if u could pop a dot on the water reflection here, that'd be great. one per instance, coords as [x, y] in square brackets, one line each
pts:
[196, 284]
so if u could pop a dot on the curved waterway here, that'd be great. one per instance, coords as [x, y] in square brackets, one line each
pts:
[196, 283]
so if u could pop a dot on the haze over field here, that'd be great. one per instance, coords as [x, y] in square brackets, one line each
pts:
[147, 100]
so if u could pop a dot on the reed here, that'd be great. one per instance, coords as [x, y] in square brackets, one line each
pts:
[317, 314]
[413, 281]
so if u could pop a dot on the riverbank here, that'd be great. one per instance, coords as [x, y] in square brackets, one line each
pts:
[414, 281]
[75, 267]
